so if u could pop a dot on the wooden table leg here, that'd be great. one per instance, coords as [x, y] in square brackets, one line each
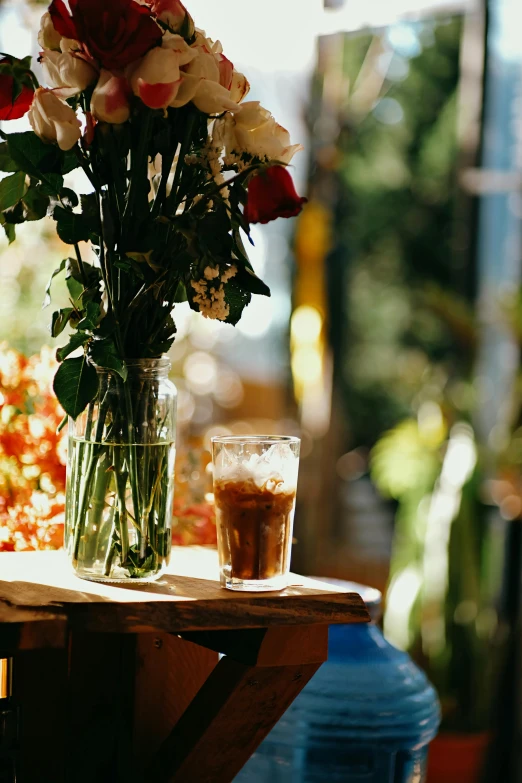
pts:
[100, 696]
[242, 699]
[39, 689]
[94, 709]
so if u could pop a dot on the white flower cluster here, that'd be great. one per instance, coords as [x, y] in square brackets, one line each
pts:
[211, 298]
[209, 157]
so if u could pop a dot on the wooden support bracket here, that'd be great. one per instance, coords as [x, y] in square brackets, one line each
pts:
[242, 699]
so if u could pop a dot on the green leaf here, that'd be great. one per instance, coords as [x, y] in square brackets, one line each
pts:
[72, 269]
[237, 299]
[47, 298]
[181, 293]
[74, 287]
[28, 152]
[12, 189]
[164, 338]
[52, 185]
[129, 265]
[60, 320]
[9, 229]
[71, 226]
[38, 159]
[249, 281]
[103, 353]
[24, 64]
[239, 249]
[15, 214]
[213, 236]
[89, 202]
[91, 317]
[75, 341]
[35, 204]
[75, 385]
[69, 198]
[107, 326]
[145, 258]
[6, 162]
[69, 161]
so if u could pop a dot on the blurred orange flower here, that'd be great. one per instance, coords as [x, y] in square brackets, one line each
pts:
[32, 454]
[194, 520]
[33, 458]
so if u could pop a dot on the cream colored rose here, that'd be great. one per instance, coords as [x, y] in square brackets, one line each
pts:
[71, 45]
[254, 131]
[240, 87]
[53, 120]
[157, 78]
[48, 37]
[205, 64]
[68, 72]
[215, 75]
[212, 98]
[187, 90]
[110, 99]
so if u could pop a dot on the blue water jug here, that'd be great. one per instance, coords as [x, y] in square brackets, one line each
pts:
[367, 716]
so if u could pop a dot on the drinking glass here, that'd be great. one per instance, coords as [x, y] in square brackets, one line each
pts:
[255, 483]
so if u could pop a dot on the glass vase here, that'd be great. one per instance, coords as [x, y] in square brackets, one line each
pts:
[120, 476]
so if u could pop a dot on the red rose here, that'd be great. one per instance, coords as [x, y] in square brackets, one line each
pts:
[272, 194]
[16, 91]
[114, 32]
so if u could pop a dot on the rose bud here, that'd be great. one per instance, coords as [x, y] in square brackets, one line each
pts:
[110, 99]
[272, 194]
[16, 89]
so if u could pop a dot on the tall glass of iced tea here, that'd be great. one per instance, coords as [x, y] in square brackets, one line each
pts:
[255, 482]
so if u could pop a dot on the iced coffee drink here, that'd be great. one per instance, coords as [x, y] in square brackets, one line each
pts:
[255, 482]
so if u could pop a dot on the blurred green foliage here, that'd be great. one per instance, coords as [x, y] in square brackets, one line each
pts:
[398, 166]
[25, 268]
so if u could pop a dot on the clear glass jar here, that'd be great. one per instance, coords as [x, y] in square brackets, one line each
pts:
[120, 476]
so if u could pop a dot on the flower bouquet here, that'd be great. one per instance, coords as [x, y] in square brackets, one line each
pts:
[179, 168]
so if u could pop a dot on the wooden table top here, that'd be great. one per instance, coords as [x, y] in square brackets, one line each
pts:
[38, 589]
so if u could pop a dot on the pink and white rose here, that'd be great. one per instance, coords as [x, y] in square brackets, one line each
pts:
[53, 120]
[215, 74]
[174, 14]
[157, 78]
[110, 99]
